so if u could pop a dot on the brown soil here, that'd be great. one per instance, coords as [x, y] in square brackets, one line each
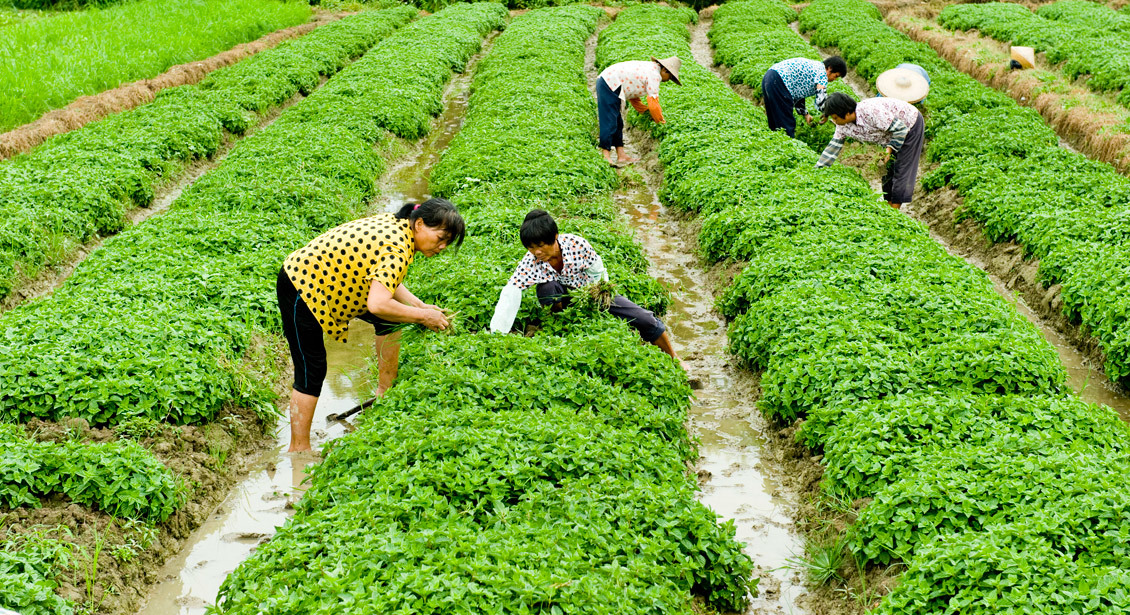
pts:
[124, 557]
[1093, 123]
[87, 109]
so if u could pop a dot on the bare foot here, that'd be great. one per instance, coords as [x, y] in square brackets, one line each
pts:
[629, 160]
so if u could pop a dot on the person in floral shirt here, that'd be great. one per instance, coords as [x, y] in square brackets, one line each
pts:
[557, 263]
[889, 122]
[631, 81]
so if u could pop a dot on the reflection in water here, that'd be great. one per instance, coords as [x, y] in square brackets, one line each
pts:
[738, 484]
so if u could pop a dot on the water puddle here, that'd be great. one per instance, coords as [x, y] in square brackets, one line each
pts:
[263, 501]
[735, 467]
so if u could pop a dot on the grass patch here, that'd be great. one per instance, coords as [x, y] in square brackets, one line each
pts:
[47, 63]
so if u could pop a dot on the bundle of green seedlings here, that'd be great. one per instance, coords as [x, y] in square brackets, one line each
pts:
[83, 184]
[750, 36]
[504, 473]
[1066, 210]
[924, 390]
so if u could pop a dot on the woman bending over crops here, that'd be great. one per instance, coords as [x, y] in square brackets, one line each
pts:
[352, 271]
[633, 81]
[889, 122]
[557, 264]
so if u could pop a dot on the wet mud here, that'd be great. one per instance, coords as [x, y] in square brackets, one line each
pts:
[263, 501]
[113, 561]
[741, 472]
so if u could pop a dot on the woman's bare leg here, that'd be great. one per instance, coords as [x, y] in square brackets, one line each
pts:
[388, 353]
[301, 416]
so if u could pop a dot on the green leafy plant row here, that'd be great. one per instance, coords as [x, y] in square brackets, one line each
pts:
[121, 478]
[29, 564]
[1084, 48]
[53, 60]
[1084, 13]
[516, 495]
[1066, 210]
[961, 479]
[544, 474]
[835, 277]
[159, 321]
[83, 184]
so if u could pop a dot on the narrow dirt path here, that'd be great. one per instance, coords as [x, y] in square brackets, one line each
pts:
[739, 474]
[264, 500]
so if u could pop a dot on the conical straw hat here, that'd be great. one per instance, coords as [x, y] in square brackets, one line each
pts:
[672, 64]
[1026, 56]
[903, 84]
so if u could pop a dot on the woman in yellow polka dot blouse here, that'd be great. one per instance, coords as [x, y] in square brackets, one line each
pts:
[352, 271]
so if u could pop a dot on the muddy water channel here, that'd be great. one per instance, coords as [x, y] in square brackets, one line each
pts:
[264, 500]
[736, 469]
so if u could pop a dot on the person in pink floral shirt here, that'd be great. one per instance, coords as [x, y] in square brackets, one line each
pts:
[631, 81]
[889, 122]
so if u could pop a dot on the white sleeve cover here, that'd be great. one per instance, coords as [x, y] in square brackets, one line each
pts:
[596, 271]
[509, 300]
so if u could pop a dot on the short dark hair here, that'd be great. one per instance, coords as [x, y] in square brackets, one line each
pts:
[538, 229]
[839, 105]
[436, 213]
[837, 64]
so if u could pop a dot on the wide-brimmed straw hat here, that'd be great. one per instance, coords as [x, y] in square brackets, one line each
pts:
[672, 64]
[903, 84]
[1025, 56]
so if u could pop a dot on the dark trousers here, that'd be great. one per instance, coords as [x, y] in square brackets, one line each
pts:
[778, 103]
[608, 106]
[898, 183]
[644, 321]
[304, 336]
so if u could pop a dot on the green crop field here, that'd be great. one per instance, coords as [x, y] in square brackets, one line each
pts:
[553, 470]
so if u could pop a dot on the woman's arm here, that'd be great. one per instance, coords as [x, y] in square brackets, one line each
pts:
[406, 297]
[385, 305]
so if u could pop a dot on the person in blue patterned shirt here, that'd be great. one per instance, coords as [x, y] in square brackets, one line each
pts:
[788, 83]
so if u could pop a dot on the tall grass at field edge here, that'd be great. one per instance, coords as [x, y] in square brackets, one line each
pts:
[48, 62]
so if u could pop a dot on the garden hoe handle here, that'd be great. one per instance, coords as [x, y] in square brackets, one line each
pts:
[348, 413]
